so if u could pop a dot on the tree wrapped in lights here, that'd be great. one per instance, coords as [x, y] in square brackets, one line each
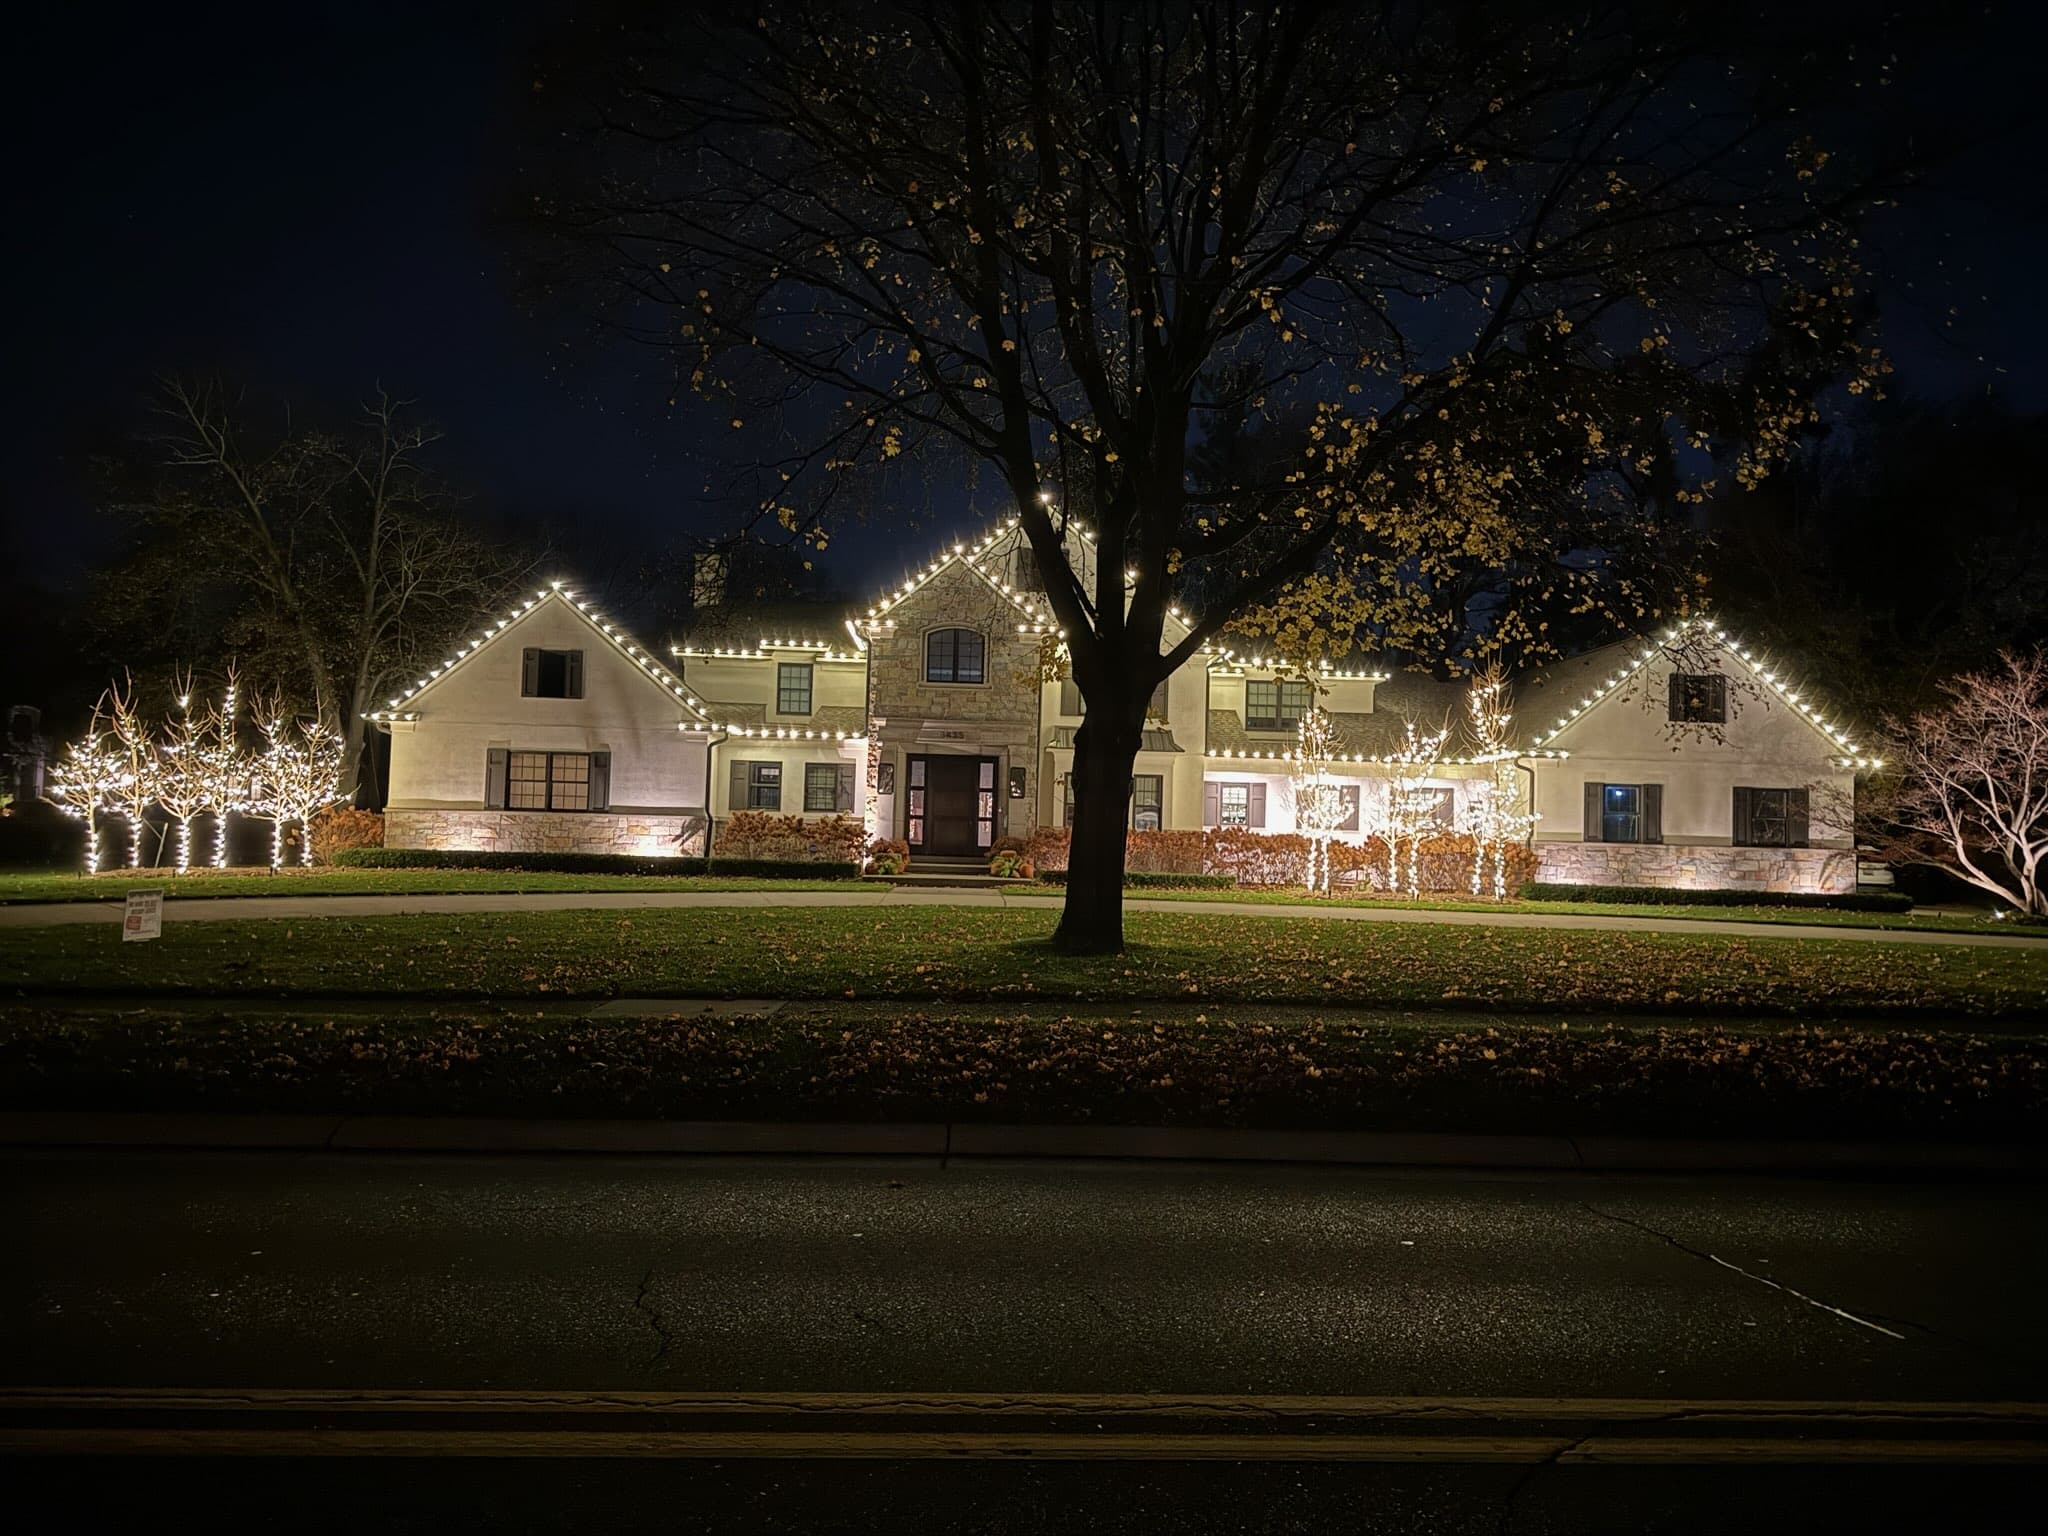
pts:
[136, 792]
[1411, 805]
[224, 769]
[298, 774]
[1318, 799]
[1492, 819]
[87, 780]
[183, 784]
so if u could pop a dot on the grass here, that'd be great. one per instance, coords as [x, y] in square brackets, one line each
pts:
[1152, 1065]
[45, 887]
[1823, 917]
[934, 953]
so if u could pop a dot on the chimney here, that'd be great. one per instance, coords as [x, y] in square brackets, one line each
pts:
[707, 578]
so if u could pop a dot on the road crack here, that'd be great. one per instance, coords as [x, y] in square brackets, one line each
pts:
[654, 1319]
[1716, 1259]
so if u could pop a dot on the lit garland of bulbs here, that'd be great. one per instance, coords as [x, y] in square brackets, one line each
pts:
[1318, 800]
[297, 776]
[87, 780]
[1491, 819]
[183, 787]
[1411, 805]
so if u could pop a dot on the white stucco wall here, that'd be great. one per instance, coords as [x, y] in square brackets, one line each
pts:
[438, 760]
[1627, 738]
[792, 755]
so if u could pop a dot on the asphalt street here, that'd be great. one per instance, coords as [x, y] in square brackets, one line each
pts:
[921, 1323]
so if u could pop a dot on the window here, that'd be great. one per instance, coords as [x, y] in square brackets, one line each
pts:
[1147, 796]
[1624, 813]
[548, 781]
[1769, 818]
[1443, 806]
[1271, 706]
[550, 674]
[1235, 803]
[764, 787]
[821, 785]
[1155, 707]
[1699, 698]
[793, 688]
[954, 656]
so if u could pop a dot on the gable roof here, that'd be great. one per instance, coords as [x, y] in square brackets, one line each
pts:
[658, 676]
[1562, 694]
[748, 628]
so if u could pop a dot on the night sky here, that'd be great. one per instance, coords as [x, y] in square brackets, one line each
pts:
[297, 197]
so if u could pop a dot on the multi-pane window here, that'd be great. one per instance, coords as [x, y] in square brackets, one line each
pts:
[764, 786]
[821, 786]
[1699, 698]
[1275, 706]
[1234, 805]
[1770, 818]
[954, 656]
[1147, 797]
[548, 781]
[793, 688]
[1621, 813]
[550, 674]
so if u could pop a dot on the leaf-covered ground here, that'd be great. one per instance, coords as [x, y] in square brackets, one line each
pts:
[18, 887]
[1151, 1066]
[961, 954]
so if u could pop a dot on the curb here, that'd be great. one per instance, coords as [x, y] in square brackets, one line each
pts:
[399, 1133]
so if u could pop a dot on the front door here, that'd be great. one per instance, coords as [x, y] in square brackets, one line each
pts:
[950, 809]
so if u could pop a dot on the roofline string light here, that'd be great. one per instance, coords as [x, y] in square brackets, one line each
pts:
[1754, 660]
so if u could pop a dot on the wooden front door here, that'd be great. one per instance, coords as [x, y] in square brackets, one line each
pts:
[950, 805]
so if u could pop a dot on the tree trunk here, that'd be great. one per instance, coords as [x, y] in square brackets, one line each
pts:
[1092, 922]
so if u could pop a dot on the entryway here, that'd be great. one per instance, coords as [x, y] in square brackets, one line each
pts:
[950, 806]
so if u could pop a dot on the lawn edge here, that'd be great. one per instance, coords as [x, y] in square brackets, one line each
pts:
[944, 1141]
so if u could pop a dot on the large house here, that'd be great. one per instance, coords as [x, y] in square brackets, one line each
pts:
[1692, 762]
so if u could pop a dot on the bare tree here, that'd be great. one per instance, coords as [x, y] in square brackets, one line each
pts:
[1503, 287]
[335, 563]
[1972, 792]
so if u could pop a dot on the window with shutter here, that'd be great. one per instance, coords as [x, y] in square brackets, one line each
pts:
[1148, 797]
[1699, 698]
[1770, 818]
[821, 787]
[764, 787]
[1623, 813]
[550, 781]
[844, 800]
[551, 674]
[1257, 807]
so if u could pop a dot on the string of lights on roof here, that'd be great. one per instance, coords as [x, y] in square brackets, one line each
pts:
[1239, 754]
[821, 650]
[626, 646]
[969, 556]
[1757, 663]
[1228, 661]
[773, 732]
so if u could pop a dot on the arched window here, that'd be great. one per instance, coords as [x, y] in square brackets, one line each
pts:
[954, 656]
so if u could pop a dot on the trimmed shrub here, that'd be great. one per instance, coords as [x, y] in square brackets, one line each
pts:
[888, 855]
[1009, 864]
[1166, 853]
[533, 863]
[343, 826]
[1669, 896]
[1047, 848]
[754, 835]
[785, 869]
[1158, 881]
[1238, 856]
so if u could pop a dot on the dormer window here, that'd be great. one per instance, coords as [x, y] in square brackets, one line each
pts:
[1275, 706]
[955, 656]
[551, 674]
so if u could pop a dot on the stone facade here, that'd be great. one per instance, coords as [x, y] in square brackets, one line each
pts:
[542, 832]
[1827, 871]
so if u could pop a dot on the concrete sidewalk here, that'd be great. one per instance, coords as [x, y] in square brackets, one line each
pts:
[216, 909]
[945, 1140]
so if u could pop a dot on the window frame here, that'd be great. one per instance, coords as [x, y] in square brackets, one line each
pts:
[831, 781]
[1285, 691]
[783, 671]
[533, 662]
[1794, 814]
[1698, 698]
[763, 775]
[1157, 805]
[1224, 791]
[547, 781]
[951, 634]
[1632, 818]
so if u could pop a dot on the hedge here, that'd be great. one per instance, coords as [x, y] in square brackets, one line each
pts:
[1671, 896]
[587, 863]
[1443, 859]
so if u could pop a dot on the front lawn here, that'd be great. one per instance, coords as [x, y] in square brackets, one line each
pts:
[977, 953]
[1160, 1065]
[113, 886]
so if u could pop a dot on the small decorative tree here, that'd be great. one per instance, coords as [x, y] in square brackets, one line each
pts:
[1492, 819]
[87, 780]
[136, 792]
[224, 769]
[1972, 796]
[1411, 805]
[182, 780]
[299, 773]
[1318, 800]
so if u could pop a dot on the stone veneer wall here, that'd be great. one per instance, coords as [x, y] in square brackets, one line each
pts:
[537, 831]
[1830, 871]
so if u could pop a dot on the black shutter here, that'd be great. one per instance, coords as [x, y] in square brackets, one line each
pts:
[1348, 799]
[573, 688]
[1592, 831]
[1257, 814]
[736, 791]
[529, 672]
[1676, 701]
[600, 781]
[1796, 830]
[1740, 829]
[497, 771]
[1212, 805]
[1653, 813]
[845, 799]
